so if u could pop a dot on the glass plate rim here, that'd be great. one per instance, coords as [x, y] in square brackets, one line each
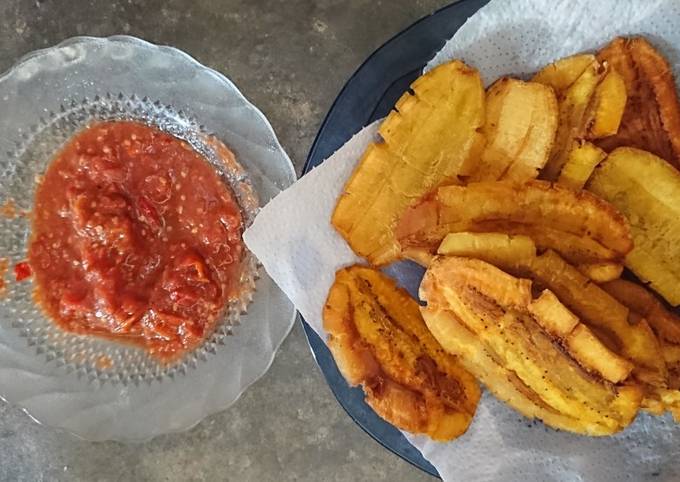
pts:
[288, 166]
[161, 47]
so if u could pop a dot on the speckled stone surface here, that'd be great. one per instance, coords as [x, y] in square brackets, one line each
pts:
[290, 57]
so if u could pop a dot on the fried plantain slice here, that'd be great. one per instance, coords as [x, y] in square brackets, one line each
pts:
[579, 225]
[552, 315]
[608, 318]
[457, 339]
[629, 336]
[592, 98]
[577, 338]
[520, 126]
[601, 272]
[432, 137]
[595, 356]
[493, 246]
[379, 341]
[646, 189]
[665, 323]
[482, 314]
[504, 249]
[581, 162]
[651, 119]
[609, 104]
[561, 74]
[574, 118]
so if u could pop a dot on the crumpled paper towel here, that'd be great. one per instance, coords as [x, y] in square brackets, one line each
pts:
[298, 247]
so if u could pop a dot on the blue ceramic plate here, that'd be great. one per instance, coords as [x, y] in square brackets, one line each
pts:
[369, 95]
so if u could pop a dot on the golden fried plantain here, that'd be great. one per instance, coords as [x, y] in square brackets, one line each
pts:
[574, 118]
[595, 356]
[581, 162]
[608, 318]
[521, 120]
[552, 315]
[561, 74]
[482, 314]
[577, 338]
[671, 355]
[456, 338]
[603, 314]
[608, 106]
[665, 323]
[493, 246]
[432, 137]
[591, 100]
[572, 246]
[651, 119]
[601, 272]
[646, 189]
[671, 402]
[579, 225]
[379, 341]
[507, 249]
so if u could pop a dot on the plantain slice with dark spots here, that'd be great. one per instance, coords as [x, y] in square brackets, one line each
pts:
[622, 331]
[638, 299]
[532, 353]
[651, 118]
[666, 324]
[577, 224]
[380, 341]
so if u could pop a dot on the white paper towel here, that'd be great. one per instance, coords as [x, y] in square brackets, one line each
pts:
[298, 247]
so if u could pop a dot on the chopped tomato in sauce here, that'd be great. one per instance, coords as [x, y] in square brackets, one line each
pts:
[22, 271]
[136, 237]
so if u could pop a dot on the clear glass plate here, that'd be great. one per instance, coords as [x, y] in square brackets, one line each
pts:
[54, 376]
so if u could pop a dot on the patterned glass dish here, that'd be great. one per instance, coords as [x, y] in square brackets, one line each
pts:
[98, 389]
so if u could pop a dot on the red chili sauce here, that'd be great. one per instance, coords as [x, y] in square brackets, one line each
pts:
[135, 236]
[22, 271]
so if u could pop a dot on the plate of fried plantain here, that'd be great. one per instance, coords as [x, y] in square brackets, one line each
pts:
[517, 238]
[369, 95]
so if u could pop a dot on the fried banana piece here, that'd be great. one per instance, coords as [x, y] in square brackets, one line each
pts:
[552, 315]
[499, 248]
[432, 137]
[577, 339]
[671, 402]
[482, 314]
[646, 189]
[582, 161]
[671, 355]
[521, 121]
[651, 119]
[601, 272]
[608, 318]
[507, 249]
[665, 323]
[494, 247]
[581, 226]
[574, 118]
[609, 105]
[457, 339]
[379, 341]
[561, 74]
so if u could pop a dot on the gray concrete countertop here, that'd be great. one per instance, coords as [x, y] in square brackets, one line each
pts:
[290, 57]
